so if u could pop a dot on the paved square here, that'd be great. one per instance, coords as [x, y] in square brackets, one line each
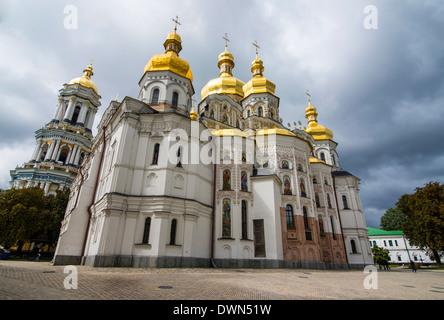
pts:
[21, 280]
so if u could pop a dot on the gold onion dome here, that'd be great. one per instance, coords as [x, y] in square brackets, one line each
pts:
[225, 83]
[170, 59]
[317, 131]
[85, 80]
[258, 84]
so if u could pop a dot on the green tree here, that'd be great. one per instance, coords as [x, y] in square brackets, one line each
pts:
[424, 211]
[27, 215]
[380, 254]
[393, 219]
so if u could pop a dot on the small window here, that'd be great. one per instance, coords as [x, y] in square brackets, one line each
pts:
[344, 202]
[248, 113]
[175, 99]
[322, 156]
[306, 224]
[156, 153]
[289, 216]
[146, 231]
[259, 112]
[390, 243]
[155, 97]
[179, 157]
[173, 232]
[244, 220]
[353, 246]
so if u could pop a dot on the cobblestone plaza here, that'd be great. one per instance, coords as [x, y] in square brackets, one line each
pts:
[21, 280]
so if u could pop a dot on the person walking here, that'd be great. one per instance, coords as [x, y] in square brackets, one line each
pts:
[412, 264]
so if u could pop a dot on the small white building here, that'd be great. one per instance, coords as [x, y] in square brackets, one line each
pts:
[401, 251]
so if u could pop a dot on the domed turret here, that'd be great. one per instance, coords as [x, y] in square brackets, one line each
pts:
[317, 131]
[258, 84]
[225, 83]
[170, 59]
[85, 80]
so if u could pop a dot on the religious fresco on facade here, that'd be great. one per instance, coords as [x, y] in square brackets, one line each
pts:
[244, 186]
[226, 180]
[287, 185]
[226, 218]
[285, 164]
[302, 187]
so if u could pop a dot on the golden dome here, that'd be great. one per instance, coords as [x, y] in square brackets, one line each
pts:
[276, 131]
[170, 59]
[317, 131]
[85, 80]
[225, 83]
[193, 115]
[258, 84]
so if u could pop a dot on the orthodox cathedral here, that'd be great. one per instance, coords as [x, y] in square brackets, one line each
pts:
[166, 183]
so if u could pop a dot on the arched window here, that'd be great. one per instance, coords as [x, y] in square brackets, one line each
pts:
[175, 99]
[155, 97]
[146, 230]
[226, 185]
[305, 213]
[287, 185]
[289, 216]
[344, 202]
[173, 232]
[332, 227]
[353, 246]
[212, 114]
[244, 181]
[226, 218]
[248, 113]
[244, 220]
[259, 112]
[44, 151]
[322, 156]
[156, 153]
[75, 115]
[63, 157]
[318, 202]
[302, 187]
[179, 157]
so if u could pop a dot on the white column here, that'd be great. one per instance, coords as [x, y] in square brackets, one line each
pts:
[70, 110]
[82, 114]
[76, 160]
[50, 151]
[73, 155]
[36, 150]
[46, 188]
[90, 120]
[56, 150]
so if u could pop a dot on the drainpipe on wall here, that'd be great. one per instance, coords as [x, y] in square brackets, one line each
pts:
[213, 216]
[95, 191]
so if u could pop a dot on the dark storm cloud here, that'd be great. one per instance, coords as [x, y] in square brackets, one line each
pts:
[380, 91]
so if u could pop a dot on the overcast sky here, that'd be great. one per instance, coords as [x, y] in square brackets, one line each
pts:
[379, 90]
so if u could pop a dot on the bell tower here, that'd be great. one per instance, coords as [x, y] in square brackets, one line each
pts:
[63, 143]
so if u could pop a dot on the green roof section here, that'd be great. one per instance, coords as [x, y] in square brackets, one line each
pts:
[379, 232]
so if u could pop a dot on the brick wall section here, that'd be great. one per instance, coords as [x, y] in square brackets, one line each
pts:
[323, 248]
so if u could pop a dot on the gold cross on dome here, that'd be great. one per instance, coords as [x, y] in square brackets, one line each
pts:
[256, 45]
[226, 40]
[308, 95]
[92, 60]
[176, 21]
